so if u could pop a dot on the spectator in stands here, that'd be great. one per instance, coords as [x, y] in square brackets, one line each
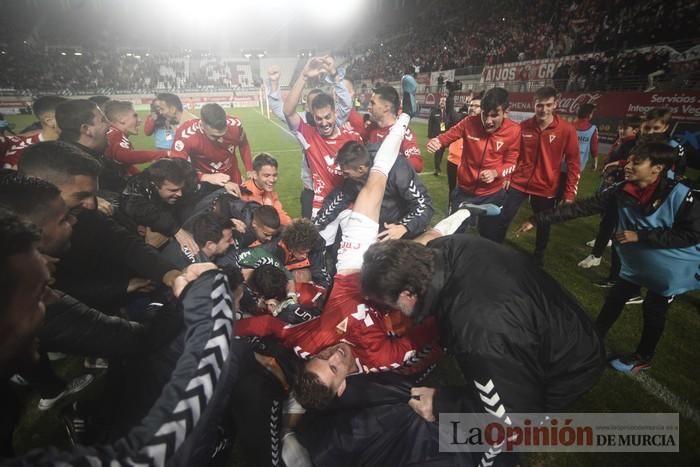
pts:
[210, 144]
[261, 187]
[547, 142]
[124, 122]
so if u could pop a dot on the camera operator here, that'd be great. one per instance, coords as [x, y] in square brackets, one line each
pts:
[157, 125]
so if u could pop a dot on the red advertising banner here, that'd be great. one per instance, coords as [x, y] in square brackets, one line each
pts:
[684, 105]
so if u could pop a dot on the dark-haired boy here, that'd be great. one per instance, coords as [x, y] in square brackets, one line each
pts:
[491, 144]
[261, 187]
[657, 239]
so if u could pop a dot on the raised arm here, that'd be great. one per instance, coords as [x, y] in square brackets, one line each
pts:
[312, 69]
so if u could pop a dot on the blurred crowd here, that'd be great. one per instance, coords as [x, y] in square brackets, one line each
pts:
[508, 31]
[65, 72]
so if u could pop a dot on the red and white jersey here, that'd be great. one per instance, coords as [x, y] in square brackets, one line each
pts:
[120, 149]
[207, 156]
[15, 146]
[346, 317]
[374, 134]
[320, 155]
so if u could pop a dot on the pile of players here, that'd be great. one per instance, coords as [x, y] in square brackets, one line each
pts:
[339, 317]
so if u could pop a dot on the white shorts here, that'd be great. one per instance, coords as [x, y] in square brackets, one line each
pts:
[359, 232]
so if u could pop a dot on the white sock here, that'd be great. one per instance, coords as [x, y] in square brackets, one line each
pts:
[389, 150]
[448, 225]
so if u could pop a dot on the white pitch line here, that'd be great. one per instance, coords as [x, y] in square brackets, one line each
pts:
[665, 395]
[286, 130]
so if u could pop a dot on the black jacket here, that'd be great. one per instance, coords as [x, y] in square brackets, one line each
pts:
[180, 428]
[406, 201]
[436, 117]
[141, 204]
[112, 178]
[511, 326]
[102, 258]
[685, 231]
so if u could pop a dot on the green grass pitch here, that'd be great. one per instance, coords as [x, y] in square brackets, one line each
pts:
[674, 365]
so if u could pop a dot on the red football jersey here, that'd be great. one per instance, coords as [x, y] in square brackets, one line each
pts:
[320, 154]
[348, 318]
[207, 156]
[374, 134]
[15, 147]
[120, 149]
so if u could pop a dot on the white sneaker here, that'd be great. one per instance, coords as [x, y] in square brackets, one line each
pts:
[635, 300]
[77, 385]
[589, 261]
[592, 243]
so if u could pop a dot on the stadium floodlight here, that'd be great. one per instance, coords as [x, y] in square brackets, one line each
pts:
[128, 54]
[63, 53]
[247, 55]
[77, 53]
[331, 14]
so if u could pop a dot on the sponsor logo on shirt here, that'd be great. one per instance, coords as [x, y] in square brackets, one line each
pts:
[179, 145]
[552, 138]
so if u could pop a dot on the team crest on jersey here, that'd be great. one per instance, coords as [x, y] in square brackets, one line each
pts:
[179, 145]
[552, 138]
[498, 145]
[342, 327]
[231, 148]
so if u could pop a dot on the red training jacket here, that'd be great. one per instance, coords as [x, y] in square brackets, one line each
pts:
[483, 151]
[541, 155]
